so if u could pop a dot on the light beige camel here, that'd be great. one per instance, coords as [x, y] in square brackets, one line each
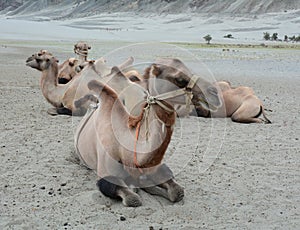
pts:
[128, 150]
[72, 66]
[240, 103]
[62, 97]
[82, 49]
[68, 69]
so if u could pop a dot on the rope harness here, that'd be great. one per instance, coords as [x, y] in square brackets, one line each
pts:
[82, 53]
[152, 100]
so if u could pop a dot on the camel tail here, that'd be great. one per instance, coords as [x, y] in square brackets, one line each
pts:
[266, 120]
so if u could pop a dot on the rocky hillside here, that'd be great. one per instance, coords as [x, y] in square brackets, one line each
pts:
[81, 8]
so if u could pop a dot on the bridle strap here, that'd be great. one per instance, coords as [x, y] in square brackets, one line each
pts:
[192, 82]
[80, 53]
[189, 94]
[151, 100]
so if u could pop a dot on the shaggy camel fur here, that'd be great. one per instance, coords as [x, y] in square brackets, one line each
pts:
[128, 150]
[62, 96]
[240, 103]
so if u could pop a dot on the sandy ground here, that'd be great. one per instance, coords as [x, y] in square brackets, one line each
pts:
[236, 176]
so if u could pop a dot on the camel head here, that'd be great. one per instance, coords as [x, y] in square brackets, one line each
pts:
[41, 60]
[173, 74]
[68, 70]
[81, 48]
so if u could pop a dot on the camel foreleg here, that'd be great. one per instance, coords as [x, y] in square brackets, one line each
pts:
[59, 111]
[165, 185]
[116, 188]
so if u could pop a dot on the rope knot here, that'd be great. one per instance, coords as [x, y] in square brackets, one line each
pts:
[151, 100]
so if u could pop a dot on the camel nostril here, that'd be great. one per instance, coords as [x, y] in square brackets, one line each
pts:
[213, 91]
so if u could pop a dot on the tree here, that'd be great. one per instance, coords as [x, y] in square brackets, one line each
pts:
[207, 38]
[275, 36]
[286, 38]
[267, 36]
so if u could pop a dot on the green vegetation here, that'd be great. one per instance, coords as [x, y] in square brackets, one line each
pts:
[286, 38]
[207, 38]
[267, 36]
[228, 36]
[236, 46]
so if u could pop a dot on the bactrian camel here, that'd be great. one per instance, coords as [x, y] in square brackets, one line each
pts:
[62, 96]
[127, 150]
[72, 66]
[240, 103]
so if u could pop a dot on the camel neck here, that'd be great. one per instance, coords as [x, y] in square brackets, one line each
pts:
[156, 129]
[51, 90]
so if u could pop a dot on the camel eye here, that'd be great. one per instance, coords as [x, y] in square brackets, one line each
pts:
[181, 82]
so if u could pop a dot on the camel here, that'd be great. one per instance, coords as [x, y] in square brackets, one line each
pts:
[72, 66]
[240, 103]
[62, 96]
[82, 49]
[127, 150]
[68, 69]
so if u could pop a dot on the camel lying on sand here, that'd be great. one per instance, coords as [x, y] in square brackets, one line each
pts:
[72, 66]
[62, 96]
[128, 150]
[240, 103]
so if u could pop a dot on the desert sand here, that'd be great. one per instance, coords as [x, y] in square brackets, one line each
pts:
[236, 176]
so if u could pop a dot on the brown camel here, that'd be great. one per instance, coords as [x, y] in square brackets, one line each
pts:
[128, 150]
[62, 96]
[240, 103]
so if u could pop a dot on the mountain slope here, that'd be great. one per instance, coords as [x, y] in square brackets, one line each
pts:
[81, 8]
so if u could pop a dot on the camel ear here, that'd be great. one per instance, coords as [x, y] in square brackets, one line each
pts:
[155, 71]
[72, 61]
[100, 88]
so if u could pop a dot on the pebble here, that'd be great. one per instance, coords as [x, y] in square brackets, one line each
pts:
[122, 218]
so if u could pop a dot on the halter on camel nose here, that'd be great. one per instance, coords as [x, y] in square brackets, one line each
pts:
[81, 52]
[187, 91]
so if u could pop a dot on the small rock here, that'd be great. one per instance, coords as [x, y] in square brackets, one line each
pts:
[122, 218]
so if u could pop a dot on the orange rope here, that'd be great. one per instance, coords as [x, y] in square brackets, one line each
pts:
[137, 132]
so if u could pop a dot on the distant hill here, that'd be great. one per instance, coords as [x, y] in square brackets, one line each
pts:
[59, 9]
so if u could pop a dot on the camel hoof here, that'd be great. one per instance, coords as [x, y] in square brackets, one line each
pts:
[52, 111]
[176, 193]
[132, 200]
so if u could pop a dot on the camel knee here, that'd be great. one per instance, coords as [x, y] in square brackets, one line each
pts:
[109, 186]
[115, 188]
[162, 174]
[62, 80]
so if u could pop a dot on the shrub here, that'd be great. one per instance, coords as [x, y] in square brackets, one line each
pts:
[267, 36]
[275, 36]
[228, 36]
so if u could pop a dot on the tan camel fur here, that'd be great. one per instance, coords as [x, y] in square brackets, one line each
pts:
[128, 150]
[72, 66]
[240, 103]
[62, 96]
